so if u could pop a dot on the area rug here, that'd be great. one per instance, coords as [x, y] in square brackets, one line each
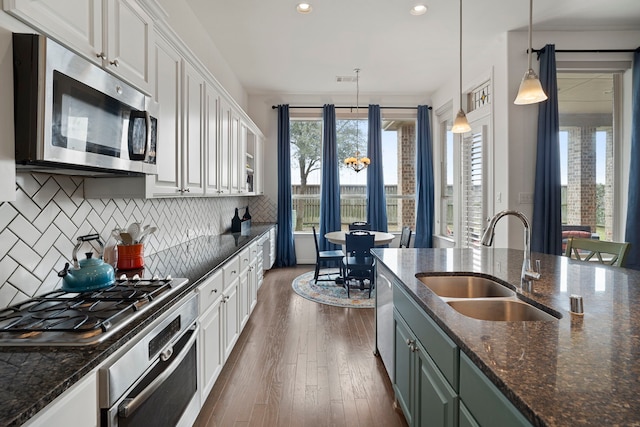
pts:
[330, 293]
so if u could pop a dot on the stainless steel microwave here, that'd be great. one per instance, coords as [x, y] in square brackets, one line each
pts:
[71, 116]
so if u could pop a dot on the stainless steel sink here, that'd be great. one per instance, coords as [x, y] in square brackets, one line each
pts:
[500, 310]
[465, 286]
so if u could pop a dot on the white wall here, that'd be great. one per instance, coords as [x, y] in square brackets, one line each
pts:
[184, 22]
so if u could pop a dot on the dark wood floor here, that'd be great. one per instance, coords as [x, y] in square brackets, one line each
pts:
[299, 363]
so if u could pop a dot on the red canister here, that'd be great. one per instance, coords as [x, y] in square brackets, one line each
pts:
[130, 257]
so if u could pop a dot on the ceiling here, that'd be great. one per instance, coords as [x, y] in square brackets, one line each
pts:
[273, 49]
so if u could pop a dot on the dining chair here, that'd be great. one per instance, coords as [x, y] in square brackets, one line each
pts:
[609, 253]
[359, 225]
[324, 259]
[359, 265]
[405, 237]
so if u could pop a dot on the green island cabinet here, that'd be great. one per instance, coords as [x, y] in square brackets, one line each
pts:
[436, 384]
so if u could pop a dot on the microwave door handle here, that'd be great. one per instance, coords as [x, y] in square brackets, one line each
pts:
[147, 118]
[129, 406]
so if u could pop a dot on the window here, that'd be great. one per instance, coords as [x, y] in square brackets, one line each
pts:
[473, 204]
[398, 152]
[586, 110]
[446, 191]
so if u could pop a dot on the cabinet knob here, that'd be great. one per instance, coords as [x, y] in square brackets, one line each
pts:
[102, 56]
[115, 63]
[214, 291]
[410, 342]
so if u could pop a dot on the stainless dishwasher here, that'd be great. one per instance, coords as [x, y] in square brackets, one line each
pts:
[384, 317]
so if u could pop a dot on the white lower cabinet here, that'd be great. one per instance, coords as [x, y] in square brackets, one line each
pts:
[77, 406]
[231, 301]
[211, 332]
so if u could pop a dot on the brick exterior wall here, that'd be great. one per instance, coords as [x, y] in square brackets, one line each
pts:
[407, 173]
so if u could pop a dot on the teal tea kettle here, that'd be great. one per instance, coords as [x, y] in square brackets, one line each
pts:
[89, 274]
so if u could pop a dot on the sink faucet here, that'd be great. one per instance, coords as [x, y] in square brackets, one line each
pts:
[487, 239]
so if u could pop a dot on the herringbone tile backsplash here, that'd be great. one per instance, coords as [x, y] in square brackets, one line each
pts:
[39, 230]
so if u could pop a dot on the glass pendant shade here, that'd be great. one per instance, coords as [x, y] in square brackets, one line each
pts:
[460, 124]
[530, 91]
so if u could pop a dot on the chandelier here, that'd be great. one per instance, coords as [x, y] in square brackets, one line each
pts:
[356, 162]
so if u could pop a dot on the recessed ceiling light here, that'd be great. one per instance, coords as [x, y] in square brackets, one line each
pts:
[304, 7]
[418, 9]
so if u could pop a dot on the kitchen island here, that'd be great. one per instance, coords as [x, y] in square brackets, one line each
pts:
[33, 376]
[576, 370]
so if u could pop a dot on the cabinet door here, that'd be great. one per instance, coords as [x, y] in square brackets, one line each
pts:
[234, 157]
[77, 23]
[168, 90]
[258, 174]
[211, 345]
[404, 339]
[130, 40]
[77, 406]
[244, 297]
[436, 403]
[193, 146]
[212, 130]
[231, 317]
[224, 148]
[244, 162]
[254, 282]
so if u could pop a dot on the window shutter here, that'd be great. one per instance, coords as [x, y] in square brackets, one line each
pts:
[473, 204]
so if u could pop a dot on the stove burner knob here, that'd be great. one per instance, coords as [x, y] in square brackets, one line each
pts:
[155, 278]
[123, 277]
[168, 277]
[135, 277]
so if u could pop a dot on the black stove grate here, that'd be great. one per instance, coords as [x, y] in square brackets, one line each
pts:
[62, 311]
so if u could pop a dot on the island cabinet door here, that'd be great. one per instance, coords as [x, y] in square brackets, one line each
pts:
[421, 390]
[483, 402]
[403, 366]
[436, 403]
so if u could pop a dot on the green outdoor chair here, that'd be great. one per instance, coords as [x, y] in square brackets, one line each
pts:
[609, 253]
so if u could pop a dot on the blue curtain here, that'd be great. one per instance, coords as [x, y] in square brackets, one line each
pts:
[424, 181]
[376, 199]
[632, 233]
[330, 185]
[546, 236]
[285, 248]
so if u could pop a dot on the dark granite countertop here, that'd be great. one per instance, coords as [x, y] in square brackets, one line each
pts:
[578, 370]
[33, 377]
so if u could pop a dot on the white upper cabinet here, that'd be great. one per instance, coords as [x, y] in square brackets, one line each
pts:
[115, 34]
[167, 94]
[130, 42]
[76, 24]
[224, 148]
[194, 136]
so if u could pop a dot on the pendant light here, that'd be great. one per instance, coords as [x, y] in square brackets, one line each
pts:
[357, 163]
[530, 91]
[460, 124]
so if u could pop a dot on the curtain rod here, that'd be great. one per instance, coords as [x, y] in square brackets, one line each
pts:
[539, 51]
[352, 108]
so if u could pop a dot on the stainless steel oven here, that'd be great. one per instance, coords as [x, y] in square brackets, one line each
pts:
[153, 381]
[72, 114]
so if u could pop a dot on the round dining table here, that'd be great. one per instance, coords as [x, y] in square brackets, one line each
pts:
[380, 237]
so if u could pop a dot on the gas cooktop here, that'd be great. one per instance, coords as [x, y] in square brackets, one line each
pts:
[60, 318]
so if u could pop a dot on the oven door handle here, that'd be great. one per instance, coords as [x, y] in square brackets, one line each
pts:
[128, 406]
